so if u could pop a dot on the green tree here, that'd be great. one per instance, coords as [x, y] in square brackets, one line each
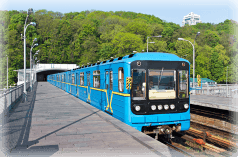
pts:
[126, 43]
[233, 46]
[158, 46]
[139, 27]
[233, 70]
[211, 38]
[203, 61]
[2, 58]
[216, 67]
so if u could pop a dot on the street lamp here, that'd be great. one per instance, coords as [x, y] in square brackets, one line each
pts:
[35, 68]
[226, 82]
[7, 71]
[193, 59]
[32, 46]
[151, 42]
[25, 27]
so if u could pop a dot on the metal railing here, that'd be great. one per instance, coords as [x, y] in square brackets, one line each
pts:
[10, 97]
[221, 90]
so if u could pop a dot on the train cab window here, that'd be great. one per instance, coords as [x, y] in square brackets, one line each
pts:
[73, 77]
[96, 79]
[111, 80]
[183, 84]
[120, 80]
[88, 79]
[81, 78]
[138, 84]
[162, 84]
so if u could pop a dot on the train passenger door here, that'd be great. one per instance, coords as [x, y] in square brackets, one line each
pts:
[109, 88]
[70, 81]
[88, 87]
[77, 83]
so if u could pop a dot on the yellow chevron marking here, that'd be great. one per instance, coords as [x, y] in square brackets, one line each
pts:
[88, 94]
[109, 105]
[83, 86]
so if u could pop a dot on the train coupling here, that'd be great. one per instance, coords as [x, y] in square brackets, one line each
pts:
[165, 129]
[162, 130]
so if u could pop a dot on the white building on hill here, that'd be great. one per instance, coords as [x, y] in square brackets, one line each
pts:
[191, 19]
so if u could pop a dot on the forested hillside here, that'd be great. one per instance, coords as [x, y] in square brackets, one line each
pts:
[88, 36]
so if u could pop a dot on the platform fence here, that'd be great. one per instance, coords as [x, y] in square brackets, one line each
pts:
[10, 97]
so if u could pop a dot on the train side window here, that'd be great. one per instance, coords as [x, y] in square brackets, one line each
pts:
[69, 78]
[96, 79]
[73, 77]
[81, 78]
[62, 78]
[77, 78]
[111, 80]
[121, 79]
[183, 83]
[88, 79]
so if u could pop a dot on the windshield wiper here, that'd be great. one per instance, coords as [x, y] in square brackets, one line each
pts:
[160, 77]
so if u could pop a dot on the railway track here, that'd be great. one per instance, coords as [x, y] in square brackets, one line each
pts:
[210, 134]
[193, 143]
[173, 146]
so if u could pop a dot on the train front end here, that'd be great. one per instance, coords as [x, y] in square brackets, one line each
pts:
[160, 95]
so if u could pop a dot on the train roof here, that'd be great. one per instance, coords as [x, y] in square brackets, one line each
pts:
[156, 56]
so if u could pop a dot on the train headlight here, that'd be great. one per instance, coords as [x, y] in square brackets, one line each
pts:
[172, 106]
[186, 106]
[137, 108]
[160, 107]
[153, 107]
[166, 107]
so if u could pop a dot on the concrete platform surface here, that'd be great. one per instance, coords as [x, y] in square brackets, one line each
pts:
[230, 104]
[55, 123]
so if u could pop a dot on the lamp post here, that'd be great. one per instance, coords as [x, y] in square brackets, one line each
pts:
[7, 71]
[25, 27]
[193, 59]
[151, 42]
[226, 82]
[198, 33]
[34, 66]
[32, 46]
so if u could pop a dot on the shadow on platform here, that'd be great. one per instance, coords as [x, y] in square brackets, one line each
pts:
[16, 129]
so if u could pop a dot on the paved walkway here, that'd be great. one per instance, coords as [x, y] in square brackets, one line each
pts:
[230, 104]
[55, 123]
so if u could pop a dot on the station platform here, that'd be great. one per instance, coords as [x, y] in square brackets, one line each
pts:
[55, 123]
[224, 103]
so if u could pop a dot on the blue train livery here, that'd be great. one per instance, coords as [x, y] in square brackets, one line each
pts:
[148, 91]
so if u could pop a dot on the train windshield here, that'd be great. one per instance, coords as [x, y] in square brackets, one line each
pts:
[138, 84]
[162, 84]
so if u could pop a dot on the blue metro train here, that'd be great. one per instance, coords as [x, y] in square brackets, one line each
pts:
[148, 91]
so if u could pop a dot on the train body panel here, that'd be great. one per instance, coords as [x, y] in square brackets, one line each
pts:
[146, 80]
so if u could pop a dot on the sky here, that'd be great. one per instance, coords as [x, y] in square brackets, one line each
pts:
[210, 11]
